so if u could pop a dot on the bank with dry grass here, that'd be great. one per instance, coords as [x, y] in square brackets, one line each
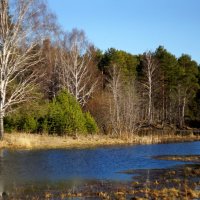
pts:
[35, 141]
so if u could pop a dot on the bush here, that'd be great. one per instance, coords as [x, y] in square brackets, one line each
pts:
[42, 126]
[9, 124]
[22, 122]
[55, 119]
[26, 123]
[62, 116]
[90, 123]
[31, 117]
[65, 115]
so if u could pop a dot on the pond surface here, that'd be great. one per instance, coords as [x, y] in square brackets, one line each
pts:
[73, 166]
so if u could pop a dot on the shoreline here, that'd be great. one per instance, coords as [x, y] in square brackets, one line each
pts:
[42, 142]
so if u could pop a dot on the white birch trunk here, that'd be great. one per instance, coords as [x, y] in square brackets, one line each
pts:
[149, 73]
[20, 36]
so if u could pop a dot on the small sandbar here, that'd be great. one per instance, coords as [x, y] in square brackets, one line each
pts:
[184, 158]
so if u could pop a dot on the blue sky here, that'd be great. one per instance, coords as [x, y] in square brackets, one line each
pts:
[135, 26]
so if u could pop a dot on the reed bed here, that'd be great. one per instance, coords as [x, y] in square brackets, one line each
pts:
[36, 141]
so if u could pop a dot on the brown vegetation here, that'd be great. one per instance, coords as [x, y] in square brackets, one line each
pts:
[35, 141]
[185, 158]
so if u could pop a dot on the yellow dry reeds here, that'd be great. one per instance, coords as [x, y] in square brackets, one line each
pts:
[35, 141]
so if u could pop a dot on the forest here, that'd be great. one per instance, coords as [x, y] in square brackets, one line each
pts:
[58, 82]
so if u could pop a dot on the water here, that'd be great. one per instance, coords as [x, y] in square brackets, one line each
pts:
[77, 165]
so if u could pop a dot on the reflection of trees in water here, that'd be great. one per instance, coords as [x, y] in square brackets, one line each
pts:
[5, 168]
[2, 152]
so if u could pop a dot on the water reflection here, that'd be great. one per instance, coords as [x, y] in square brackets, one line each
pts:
[2, 152]
[75, 166]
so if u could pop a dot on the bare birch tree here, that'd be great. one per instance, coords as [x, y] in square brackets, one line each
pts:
[131, 108]
[115, 86]
[149, 71]
[21, 34]
[76, 76]
[123, 104]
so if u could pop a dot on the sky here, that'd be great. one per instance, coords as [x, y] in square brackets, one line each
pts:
[134, 26]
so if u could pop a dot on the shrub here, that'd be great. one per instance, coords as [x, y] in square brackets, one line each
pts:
[65, 115]
[31, 117]
[9, 124]
[90, 123]
[55, 119]
[26, 123]
[62, 116]
[42, 126]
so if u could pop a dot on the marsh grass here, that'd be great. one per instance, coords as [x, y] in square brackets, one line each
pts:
[36, 141]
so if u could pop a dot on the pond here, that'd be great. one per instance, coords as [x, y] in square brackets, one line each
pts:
[75, 166]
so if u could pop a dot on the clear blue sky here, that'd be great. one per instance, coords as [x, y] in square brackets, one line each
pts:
[135, 25]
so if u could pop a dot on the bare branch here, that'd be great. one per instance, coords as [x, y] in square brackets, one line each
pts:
[21, 35]
[76, 77]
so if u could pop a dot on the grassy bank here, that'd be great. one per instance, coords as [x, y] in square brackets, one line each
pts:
[33, 141]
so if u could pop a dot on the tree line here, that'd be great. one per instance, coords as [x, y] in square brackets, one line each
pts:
[58, 82]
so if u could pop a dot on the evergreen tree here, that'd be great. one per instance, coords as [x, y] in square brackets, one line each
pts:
[65, 116]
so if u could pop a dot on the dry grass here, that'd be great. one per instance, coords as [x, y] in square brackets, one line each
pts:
[34, 141]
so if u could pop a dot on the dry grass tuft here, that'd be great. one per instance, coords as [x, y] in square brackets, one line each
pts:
[35, 141]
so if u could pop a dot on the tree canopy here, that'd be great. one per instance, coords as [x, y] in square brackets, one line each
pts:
[69, 86]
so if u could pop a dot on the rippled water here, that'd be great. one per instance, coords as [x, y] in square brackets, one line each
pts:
[75, 165]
